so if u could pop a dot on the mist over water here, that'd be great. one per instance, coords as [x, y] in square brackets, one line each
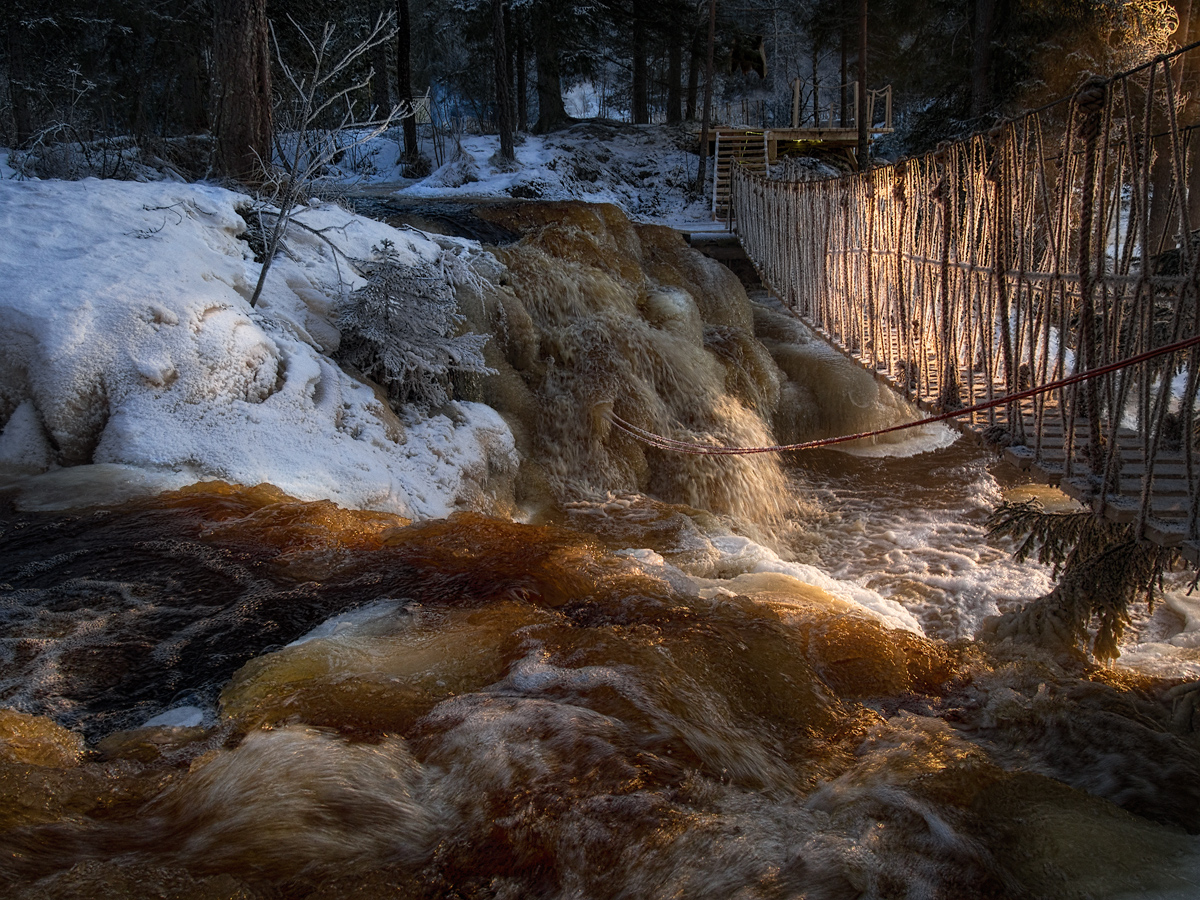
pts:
[691, 676]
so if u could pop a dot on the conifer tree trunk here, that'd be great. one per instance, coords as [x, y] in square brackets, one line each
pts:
[981, 57]
[18, 80]
[816, 84]
[242, 60]
[404, 75]
[864, 140]
[641, 86]
[552, 113]
[702, 170]
[522, 82]
[845, 74]
[381, 94]
[503, 100]
[695, 60]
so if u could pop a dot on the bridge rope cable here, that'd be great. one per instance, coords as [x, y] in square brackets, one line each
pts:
[666, 443]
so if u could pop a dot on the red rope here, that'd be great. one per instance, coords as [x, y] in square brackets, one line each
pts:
[665, 443]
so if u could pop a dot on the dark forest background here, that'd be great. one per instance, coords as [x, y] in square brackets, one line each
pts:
[155, 71]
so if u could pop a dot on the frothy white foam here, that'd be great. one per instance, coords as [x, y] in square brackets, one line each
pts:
[1173, 655]
[922, 439]
[741, 555]
[915, 531]
[179, 717]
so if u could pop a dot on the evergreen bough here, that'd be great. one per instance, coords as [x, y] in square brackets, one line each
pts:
[399, 329]
[1101, 568]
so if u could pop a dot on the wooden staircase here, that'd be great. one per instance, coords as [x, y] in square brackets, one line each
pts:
[750, 148]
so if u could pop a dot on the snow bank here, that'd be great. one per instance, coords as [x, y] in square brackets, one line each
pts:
[126, 338]
[647, 171]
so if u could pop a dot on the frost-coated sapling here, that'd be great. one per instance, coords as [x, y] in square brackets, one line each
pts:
[399, 329]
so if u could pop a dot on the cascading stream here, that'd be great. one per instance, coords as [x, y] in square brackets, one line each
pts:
[700, 677]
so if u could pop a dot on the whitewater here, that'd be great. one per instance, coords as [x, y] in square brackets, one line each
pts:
[264, 635]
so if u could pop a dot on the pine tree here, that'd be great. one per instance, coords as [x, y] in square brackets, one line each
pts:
[400, 329]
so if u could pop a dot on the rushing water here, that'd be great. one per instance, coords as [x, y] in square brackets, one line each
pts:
[672, 677]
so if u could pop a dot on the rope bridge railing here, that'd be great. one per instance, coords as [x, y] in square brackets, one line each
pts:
[1060, 242]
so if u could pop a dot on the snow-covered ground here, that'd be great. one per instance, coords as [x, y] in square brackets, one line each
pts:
[127, 340]
[648, 171]
[131, 360]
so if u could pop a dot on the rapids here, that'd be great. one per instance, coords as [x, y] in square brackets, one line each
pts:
[622, 674]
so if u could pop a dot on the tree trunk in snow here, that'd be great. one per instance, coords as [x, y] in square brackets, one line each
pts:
[864, 140]
[552, 114]
[522, 82]
[816, 84]
[18, 84]
[242, 61]
[381, 94]
[674, 76]
[404, 75]
[702, 171]
[844, 91]
[693, 86]
[503, 99]
[981, 57]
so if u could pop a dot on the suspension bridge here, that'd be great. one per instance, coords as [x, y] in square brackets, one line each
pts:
[1038, 283]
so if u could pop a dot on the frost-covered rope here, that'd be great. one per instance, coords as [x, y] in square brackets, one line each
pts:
[666, 443]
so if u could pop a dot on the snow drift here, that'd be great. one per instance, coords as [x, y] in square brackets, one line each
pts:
[126, 338]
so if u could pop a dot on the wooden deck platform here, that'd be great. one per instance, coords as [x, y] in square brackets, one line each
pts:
[759, 149]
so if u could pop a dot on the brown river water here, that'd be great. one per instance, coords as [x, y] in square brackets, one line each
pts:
[629, 676]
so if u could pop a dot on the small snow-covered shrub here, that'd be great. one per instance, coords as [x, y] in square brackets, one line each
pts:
[456, 173]
[399, 329]
[51, 156]
[56, 154]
